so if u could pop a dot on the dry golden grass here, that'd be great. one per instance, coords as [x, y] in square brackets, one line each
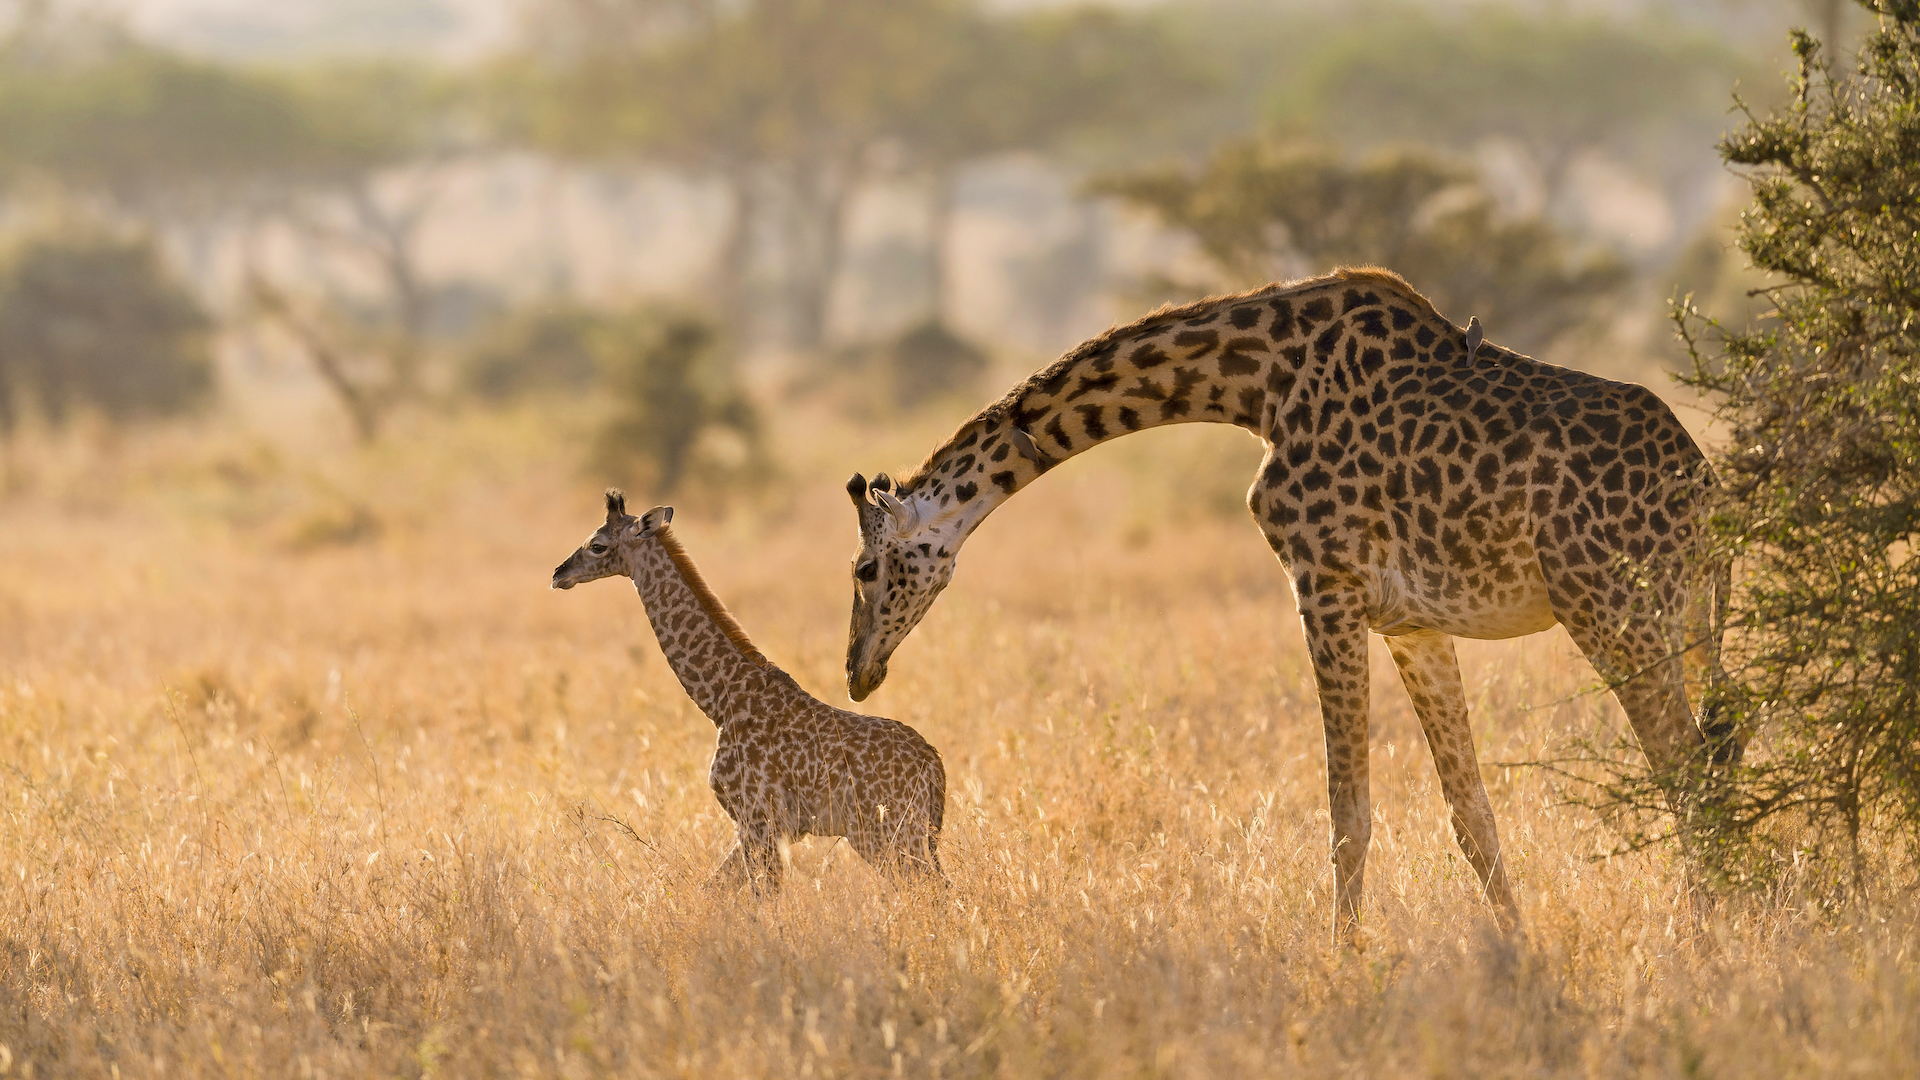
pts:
[289, 799]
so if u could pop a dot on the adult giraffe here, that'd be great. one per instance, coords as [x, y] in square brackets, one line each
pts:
[1417, 484]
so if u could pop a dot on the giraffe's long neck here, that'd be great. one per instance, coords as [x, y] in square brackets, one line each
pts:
[1231, 360]
[708, 651]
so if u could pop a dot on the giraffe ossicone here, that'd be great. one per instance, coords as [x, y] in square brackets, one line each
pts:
[1419, 483]
[786, 764]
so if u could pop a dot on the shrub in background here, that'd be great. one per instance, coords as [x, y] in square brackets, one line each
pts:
[929, 360]
[673, 393]
[97, 322]
[922, 363]
[551, 347]
[674, 398]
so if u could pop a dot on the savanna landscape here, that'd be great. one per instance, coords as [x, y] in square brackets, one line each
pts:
[305, 771]
[394, 806]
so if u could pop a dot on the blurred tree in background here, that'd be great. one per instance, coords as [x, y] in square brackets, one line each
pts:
[304, 198]
[1266, 211]
[781, 100]
[1821, 476]
[550, 348]
[1064, 81]
[105, 117]
[108, 129]
[378, 138]
[1557, 84]
[97, 322]
[673, 395]
[918, 365]
[792, 104]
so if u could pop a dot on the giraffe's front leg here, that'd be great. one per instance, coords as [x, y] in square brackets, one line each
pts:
[732, 871]
[760, 849]
[1431, 673]
[1334, 617]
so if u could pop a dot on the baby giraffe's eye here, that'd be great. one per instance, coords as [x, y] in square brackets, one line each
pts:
[597, 548]
[868, 571]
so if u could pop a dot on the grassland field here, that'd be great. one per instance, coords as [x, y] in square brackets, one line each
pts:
[304, 772]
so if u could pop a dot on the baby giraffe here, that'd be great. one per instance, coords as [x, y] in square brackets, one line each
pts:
[788, 764]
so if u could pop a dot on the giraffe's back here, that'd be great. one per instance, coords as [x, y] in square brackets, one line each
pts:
[817, 770]
[1451, 489]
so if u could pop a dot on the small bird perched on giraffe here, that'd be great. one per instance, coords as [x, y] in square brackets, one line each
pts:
[787, 765]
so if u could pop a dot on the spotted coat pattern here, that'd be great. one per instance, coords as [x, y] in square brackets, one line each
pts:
[787, 764]
[1413, 487]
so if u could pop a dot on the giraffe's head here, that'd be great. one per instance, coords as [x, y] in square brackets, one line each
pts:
[905, 559]
[608, 552]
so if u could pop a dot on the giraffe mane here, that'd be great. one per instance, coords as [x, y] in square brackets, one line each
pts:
[1380, 275]
[710, 603]
[1165, 313]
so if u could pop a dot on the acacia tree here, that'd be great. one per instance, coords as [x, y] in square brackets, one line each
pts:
[665, 376]
[786, 102]
[779, 100]
[1820, 503]
[1042, 81]
[103, 126]
[375, 156]
[1265, 210]
[1557, 84]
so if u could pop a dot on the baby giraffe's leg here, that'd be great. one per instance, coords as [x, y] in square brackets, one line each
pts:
[732, 871]
[923, 853]
[933, 855]
[762, 855]
[919, 839]
[873, 842]
[886, 840]
[936, 815]
[906, 847]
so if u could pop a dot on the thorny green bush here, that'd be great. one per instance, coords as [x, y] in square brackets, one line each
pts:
[1819, 499]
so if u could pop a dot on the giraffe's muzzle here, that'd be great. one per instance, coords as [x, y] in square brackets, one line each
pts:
[862, 681]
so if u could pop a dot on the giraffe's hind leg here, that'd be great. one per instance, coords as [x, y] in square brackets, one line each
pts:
[1431, 673]
[1706, 623]
[1629, 621]
[936, 811]
[907, 846]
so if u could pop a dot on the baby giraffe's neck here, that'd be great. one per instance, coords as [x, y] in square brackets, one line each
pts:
[708, 651]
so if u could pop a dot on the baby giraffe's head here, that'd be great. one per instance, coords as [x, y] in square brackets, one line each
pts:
[608, 552]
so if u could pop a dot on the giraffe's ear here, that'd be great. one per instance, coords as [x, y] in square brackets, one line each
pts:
[652, 520]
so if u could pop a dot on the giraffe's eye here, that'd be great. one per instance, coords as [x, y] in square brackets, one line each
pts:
[868, 571]
[597, 548]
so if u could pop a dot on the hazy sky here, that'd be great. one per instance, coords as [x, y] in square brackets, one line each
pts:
[448, 28]
[456, 29]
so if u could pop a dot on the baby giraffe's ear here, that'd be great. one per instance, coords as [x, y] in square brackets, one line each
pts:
[652, 520]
